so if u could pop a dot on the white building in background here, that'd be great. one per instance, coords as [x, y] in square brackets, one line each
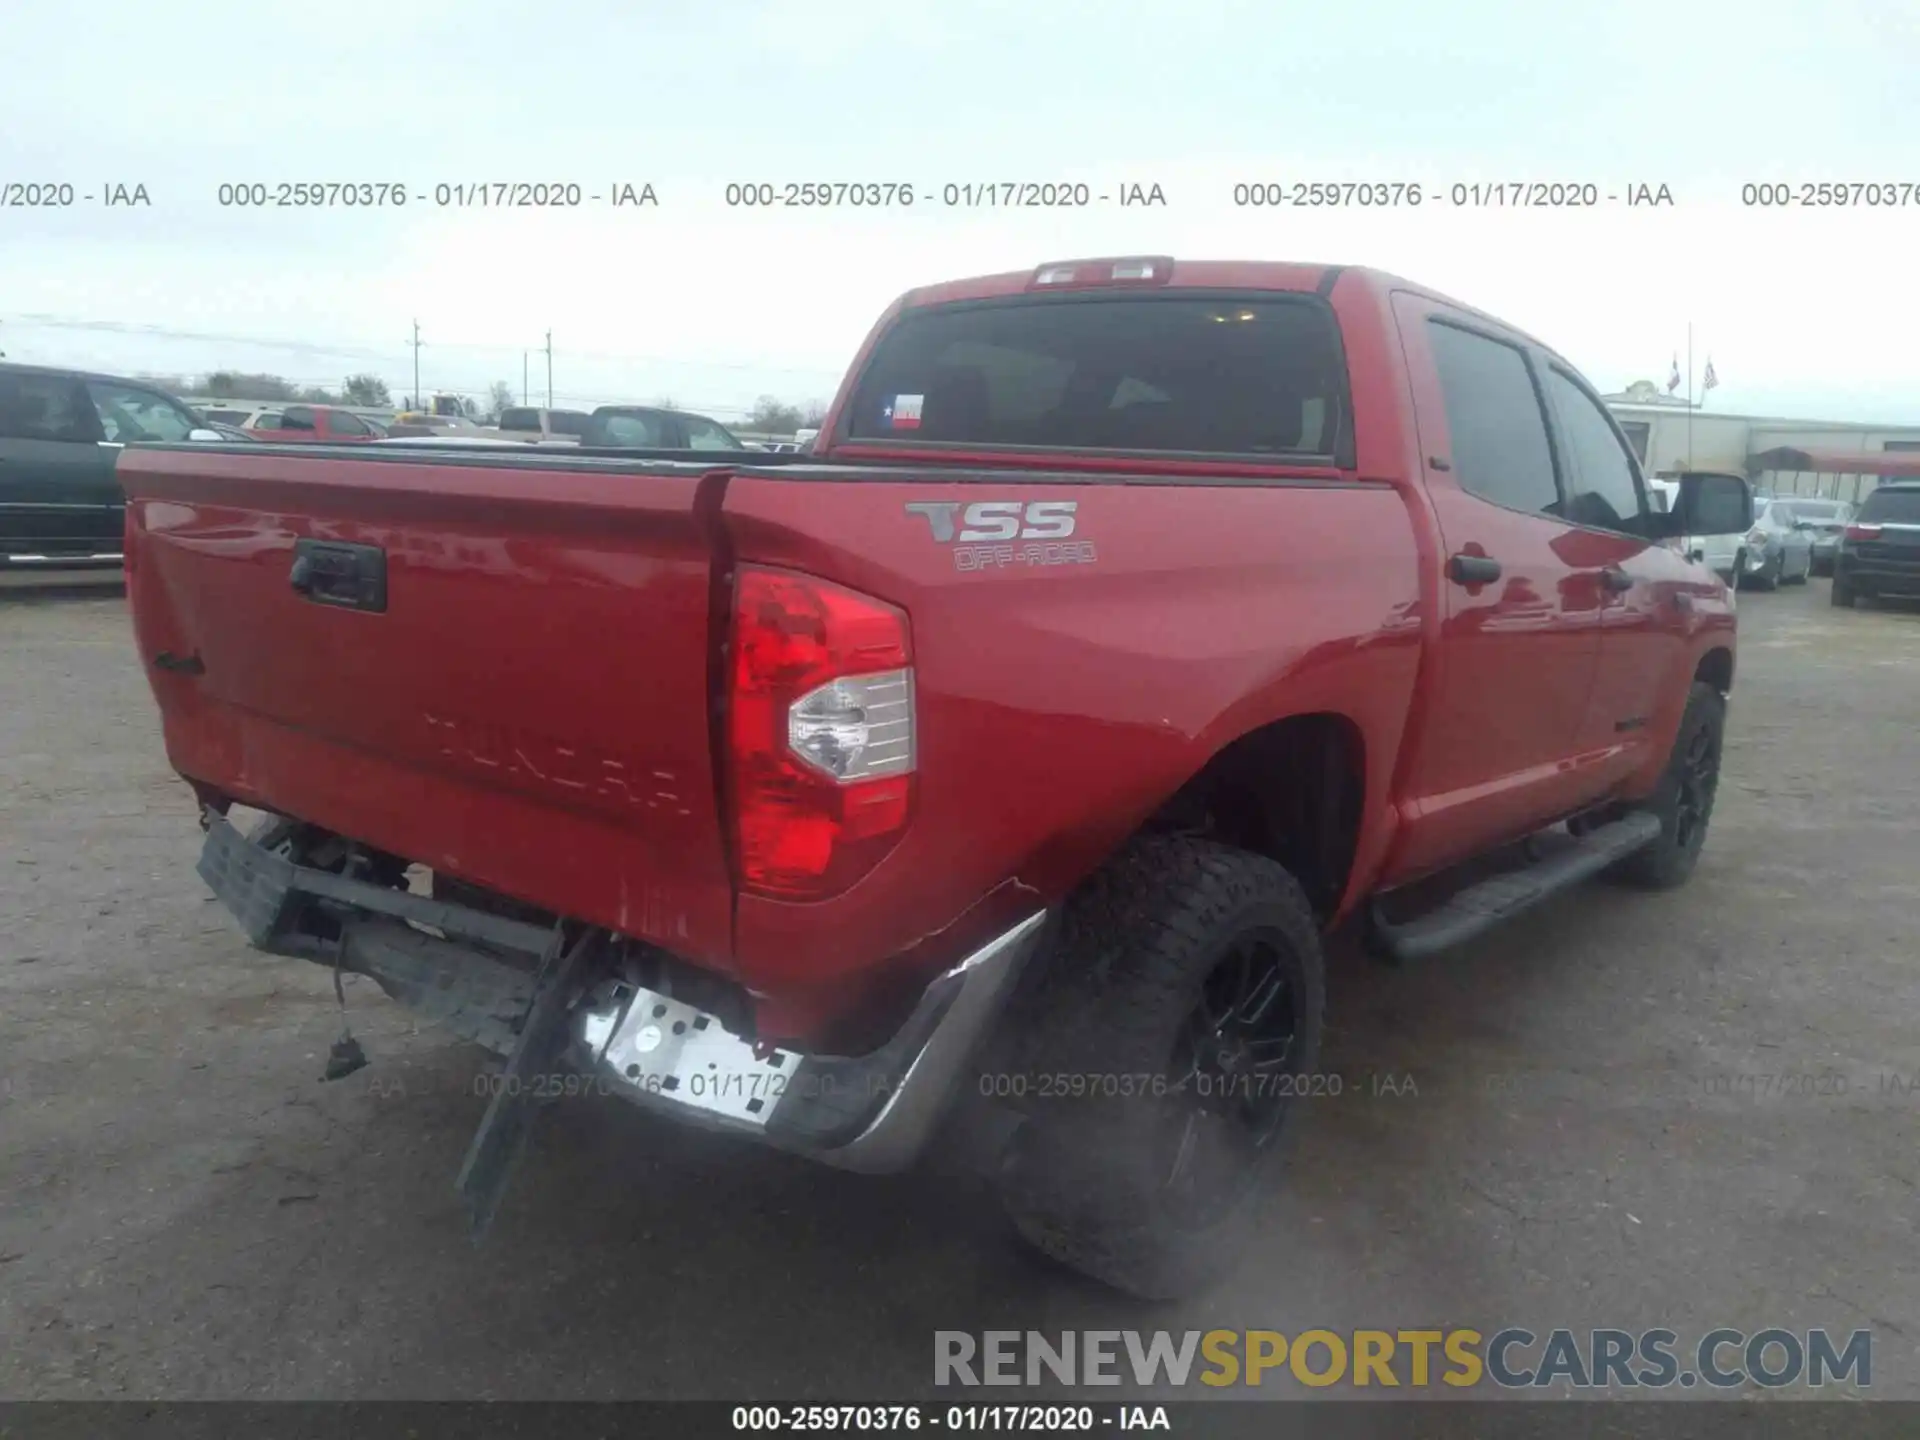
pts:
[1669, 436]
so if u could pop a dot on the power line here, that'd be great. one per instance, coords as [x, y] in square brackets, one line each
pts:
[162, 332]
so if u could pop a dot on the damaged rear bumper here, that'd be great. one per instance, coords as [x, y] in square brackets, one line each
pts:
[478, 974]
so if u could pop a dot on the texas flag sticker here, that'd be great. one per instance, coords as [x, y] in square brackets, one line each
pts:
[903, 412]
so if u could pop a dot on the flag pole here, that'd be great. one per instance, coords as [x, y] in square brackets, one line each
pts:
[1690, 395]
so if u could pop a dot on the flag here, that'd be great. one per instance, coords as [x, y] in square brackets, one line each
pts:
[1709, 380]
[904, 412]
[1673, 381]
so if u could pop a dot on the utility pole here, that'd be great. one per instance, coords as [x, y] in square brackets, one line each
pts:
[416, 366]
[1689, 394]
[523, 377]
[549, 369]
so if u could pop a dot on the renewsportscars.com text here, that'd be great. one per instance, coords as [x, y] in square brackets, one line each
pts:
[1512, 1358]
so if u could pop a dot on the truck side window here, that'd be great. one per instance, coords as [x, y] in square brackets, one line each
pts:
[1601, 488]
[298, 418]
[1499, 436]
[705, 435]
[345, 422]
[43, 407]
[127, 414]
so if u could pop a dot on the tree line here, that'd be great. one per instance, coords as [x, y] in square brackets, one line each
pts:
[769, 416]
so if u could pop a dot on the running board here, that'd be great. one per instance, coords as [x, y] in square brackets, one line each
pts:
[1482, 906]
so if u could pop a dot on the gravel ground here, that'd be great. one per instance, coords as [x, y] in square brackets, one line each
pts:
[1570, 1124]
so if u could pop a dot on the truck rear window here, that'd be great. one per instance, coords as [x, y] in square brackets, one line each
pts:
[1901, 507]
[1260, 375]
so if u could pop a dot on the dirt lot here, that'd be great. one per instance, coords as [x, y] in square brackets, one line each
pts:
[1569, 1125]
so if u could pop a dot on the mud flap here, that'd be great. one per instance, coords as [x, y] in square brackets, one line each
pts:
[500, 1141]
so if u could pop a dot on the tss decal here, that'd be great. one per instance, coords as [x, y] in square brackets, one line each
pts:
[985, 528]
[998, 519]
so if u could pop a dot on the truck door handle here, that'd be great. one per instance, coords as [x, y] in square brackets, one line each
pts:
[353, 577]
[1616, 580]
[1473, 569]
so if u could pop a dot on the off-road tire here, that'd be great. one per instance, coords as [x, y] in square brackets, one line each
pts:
[1669, 859]
[1080, 1178]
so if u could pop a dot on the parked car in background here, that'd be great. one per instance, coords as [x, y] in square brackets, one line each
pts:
[543, 427]
[311, 424]
[236, 416]
[420, 422]
[1879, 550]
[645, 427]
[1824, 522]
[60, 433]
[231, 432]
[1773, 552]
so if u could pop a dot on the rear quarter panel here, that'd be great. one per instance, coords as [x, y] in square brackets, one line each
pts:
[1060, 704]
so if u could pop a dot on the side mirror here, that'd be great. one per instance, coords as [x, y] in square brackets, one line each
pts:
[1711, 505]
[199, 434]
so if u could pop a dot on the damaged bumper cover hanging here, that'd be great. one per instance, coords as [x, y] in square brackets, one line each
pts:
[574, 1000]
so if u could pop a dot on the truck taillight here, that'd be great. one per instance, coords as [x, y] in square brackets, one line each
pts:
[820, 733]
[1863, 532]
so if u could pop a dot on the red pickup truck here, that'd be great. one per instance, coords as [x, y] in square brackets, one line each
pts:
[1131, 625]
[313, 425]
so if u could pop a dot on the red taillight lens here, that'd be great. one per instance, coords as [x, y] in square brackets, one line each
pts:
[1863, 532]
[820, 733]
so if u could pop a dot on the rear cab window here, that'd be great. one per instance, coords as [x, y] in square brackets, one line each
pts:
[1246, 375]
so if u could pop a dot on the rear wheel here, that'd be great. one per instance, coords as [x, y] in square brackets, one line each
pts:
[1842, 594]
[1767, 577]
[1180, 1024]
[1683, 801]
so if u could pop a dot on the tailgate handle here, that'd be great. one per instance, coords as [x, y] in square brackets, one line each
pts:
[331, 572]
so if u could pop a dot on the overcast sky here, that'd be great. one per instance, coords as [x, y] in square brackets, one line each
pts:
[1803, 312]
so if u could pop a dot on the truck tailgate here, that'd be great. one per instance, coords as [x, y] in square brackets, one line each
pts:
[520, 699]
